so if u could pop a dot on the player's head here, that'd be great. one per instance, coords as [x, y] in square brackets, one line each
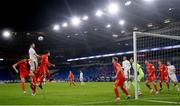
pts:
[114, 59]
[24, 58]
[47, 52]
[168, 63]
[159, 62]
[146, 62]
[131, 60]
[32, 45]
[124, 58]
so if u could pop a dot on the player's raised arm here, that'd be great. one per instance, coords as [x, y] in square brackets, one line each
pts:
[14, 67]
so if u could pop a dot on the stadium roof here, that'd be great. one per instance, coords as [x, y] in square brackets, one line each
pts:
[33, 18]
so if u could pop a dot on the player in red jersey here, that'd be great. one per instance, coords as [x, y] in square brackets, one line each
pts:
[35, 80]
[71, 78]
[43, 67]
[120, 78]
[23, 71]
[150, 69]
[163, 74]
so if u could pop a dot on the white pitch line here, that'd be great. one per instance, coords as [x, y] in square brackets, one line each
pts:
[157, 101]
[97, 102]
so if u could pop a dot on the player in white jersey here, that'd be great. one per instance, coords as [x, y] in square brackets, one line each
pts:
[172, 75]
[81, 78]
[33, 58]
[127, 67]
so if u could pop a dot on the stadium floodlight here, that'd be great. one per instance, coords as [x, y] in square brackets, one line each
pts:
[65, 24]
[6, 34]
[56, 27]
[108, 26]
[121, 22]
[127, 3]
[75, 21]
[99, 13]
[113, 8]
[85, 18]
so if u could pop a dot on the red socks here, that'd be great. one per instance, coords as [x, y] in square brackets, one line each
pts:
[116, 91]
[124, 90]
[148, 86]
[23, 86]
[155, 86]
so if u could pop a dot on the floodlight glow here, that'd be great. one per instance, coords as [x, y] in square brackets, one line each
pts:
[108, 26]
[99, 13]
[75, 21]
[56, 27]
[85, 18]
[127, 3]
[121, 22]
[1, 59]
[113, 8]
[6, 34]
[65, 24]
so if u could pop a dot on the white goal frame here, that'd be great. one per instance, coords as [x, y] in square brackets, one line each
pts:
[141, 34]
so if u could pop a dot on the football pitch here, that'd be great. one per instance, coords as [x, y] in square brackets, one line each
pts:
[92, 93]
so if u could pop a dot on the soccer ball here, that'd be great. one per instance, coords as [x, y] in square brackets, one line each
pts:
[40, 38]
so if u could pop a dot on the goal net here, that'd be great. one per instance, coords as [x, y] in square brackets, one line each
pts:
[154, 47]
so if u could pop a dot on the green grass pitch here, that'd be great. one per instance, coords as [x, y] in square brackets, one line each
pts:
[92, 93]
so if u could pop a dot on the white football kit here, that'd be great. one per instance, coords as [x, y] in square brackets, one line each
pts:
[81, 77]
[126, 66]
[171, 73]
[33, 59]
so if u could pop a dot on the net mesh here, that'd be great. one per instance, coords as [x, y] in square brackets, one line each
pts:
[154, 47]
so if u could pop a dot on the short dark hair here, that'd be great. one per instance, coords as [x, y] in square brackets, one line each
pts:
[115, 58]
[32, 43]
[47, 51]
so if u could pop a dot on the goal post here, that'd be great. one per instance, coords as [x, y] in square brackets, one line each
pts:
[154, 47]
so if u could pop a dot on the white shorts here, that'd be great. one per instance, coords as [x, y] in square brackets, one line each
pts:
[127, 74]
[81, 79]
[172, 76]
[33, 65]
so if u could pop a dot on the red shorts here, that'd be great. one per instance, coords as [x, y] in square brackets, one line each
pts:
[43, 69]
[164, 78]
[70, 79]
[150, 78]
[120, 82]
[24, 74]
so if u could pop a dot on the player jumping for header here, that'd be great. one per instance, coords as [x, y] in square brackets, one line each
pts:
[23, 71]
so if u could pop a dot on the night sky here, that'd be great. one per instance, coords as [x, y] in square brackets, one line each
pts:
[30, 15]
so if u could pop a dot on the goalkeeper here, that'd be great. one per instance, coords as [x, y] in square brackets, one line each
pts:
[140, 75]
